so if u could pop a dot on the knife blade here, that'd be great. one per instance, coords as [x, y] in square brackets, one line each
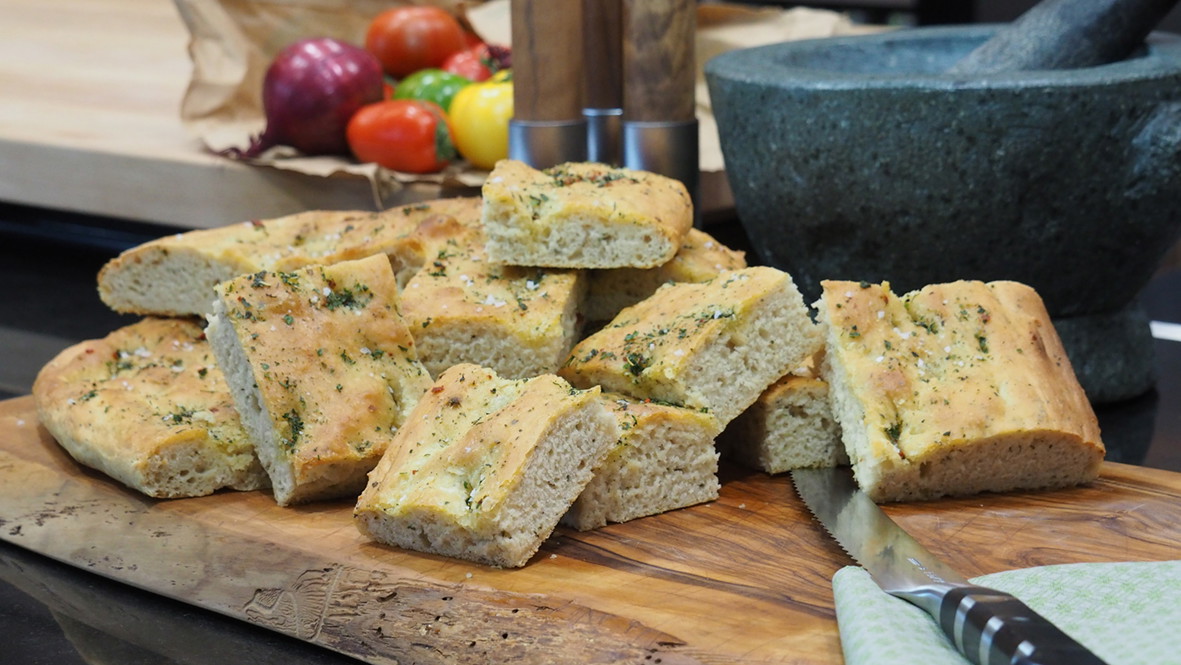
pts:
[987, 626]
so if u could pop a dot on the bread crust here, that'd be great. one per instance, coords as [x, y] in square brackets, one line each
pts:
[716, 345]
[175, 275]
[583, 215]
[955, 389]
[148, 406]
[485, 467]
[323, 370]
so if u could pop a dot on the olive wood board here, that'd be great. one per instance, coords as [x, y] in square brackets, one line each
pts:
[744, 579]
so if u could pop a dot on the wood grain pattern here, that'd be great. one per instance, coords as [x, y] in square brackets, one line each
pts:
[547, 60]
[602, 22]
[659, 64]
[745, 579]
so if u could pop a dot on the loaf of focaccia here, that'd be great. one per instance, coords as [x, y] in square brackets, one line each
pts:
[716, 345]
[148, 406]
[175, 275]
[322, 368]
[485, 467]
[954, 389]
[664, 459]
[583, 215]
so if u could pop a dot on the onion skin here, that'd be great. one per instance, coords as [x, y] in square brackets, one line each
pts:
[311, 90]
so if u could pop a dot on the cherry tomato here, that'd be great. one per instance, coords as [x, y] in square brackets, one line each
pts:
[474, 63]
[407, 39]
[480, 115]
[403, 135]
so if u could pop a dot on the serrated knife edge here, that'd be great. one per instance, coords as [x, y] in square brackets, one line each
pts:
[987, 626]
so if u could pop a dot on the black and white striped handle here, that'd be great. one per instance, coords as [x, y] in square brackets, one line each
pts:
[992, 627]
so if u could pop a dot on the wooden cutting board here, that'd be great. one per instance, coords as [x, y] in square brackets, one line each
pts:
[745, 579]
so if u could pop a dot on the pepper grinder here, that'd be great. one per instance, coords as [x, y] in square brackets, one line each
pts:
[660, 132]
[547, 127]
[603, 65]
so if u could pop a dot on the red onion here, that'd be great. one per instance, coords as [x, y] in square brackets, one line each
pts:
[310, 91]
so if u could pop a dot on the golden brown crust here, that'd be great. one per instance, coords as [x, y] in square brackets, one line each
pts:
[485, 467]
[715, 345]
[325, 355]
[583, 215]
[148, 406]
[463, 308]
[175, 275]
[952, 368]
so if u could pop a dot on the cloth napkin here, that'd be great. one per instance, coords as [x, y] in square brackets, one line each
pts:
[1126, 613]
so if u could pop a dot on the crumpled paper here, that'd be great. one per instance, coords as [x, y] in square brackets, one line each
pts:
[233, 41]
[1126, 613]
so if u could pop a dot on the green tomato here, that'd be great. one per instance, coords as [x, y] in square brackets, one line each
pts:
[432, 85]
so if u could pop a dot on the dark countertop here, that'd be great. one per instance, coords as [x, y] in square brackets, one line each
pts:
[54, 613]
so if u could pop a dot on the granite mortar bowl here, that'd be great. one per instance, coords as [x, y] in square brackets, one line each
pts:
[859, 158]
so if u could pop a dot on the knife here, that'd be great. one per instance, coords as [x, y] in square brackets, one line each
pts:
[987, 626]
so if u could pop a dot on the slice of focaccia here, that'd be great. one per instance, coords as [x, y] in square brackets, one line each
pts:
[954, 389]
[323, 371]
[664, 459]
[148, 406]
[699, 259]
[716, 345]
[461, 308]
[790, 426]
[583, 215]
[485, 467]
[175, 275]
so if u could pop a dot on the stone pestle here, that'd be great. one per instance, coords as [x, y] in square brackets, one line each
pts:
[1067, 34]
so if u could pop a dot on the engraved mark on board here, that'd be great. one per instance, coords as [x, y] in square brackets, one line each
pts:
[298, 609]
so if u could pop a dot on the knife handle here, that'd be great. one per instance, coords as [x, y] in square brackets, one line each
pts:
[992, 627]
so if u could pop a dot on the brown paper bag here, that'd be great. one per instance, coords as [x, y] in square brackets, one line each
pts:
[232, 42]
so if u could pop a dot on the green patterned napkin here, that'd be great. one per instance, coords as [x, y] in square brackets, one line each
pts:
[1127, 613]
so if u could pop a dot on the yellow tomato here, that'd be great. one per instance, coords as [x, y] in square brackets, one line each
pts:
[480, 114]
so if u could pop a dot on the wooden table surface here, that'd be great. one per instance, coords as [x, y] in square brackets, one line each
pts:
[90, 95]
[744, 579]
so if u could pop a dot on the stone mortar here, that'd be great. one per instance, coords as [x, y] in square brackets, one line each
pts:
[861, 158]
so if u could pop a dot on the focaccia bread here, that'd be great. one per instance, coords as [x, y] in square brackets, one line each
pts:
[664, 459]
[954, 389]
[583, 215]
[175, 275]
[716, 345]
[485, 466]
[148, 406]
[461, 308]
[699, 259]
[790, 426]
[322, 369]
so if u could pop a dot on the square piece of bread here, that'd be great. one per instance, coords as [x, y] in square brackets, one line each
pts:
[485, 467]
[323, 371]
[175, 275]
[954, 389]
[148, 406]
[462, 308]
[583, 215]
[714, 345]
[699, 259]
[664, 459]
[790, 426]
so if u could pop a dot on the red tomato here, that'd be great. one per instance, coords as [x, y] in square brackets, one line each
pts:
[403, 135]
[407, 39]
[471, 63]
